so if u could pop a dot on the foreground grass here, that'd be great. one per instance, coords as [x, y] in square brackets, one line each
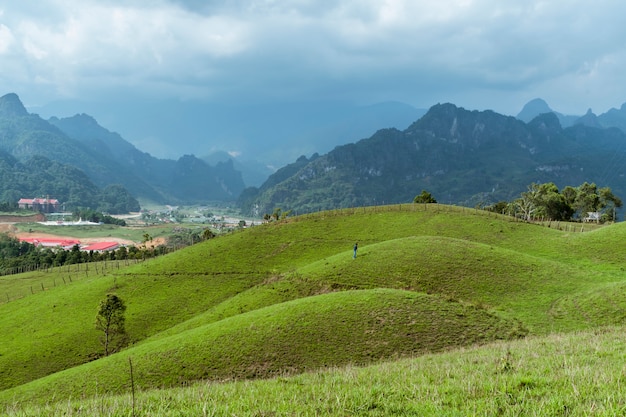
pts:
[360, 327]
[575, 374]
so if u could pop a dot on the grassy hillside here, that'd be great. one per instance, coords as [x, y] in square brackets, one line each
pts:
[287, 297]
[573, 374]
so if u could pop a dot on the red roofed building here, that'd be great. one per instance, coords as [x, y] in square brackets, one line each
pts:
[51, 242]
[101, 246]
[42, 205]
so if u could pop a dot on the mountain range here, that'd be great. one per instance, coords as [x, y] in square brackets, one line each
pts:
[105, 158]
[612, 118]
[272, 134]
[462, 157]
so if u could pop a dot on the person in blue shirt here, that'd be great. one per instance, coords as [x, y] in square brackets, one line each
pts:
[356, 246]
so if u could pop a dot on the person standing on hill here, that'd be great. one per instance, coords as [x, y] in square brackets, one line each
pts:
[356, 246]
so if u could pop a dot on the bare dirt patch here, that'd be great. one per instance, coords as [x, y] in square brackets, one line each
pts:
[7, 228]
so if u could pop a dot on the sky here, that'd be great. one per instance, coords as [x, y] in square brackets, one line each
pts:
[478, 54]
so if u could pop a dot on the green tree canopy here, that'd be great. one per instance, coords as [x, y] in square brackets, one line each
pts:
[545, 201]
[424, 197]
[110, 320]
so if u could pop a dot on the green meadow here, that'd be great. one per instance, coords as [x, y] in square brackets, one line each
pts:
[445, 311]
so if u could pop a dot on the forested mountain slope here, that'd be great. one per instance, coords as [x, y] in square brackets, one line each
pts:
[106, 159]
[460, 156]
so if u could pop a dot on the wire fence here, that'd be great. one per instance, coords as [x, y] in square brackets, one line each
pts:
[67, 274]
[447, 208]
[47, 278]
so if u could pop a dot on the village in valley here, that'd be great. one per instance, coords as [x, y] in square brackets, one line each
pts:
[55, 228]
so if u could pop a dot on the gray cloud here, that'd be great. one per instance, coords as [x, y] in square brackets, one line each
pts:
[476, 53]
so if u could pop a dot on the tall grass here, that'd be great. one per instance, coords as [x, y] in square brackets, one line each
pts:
[575, 374]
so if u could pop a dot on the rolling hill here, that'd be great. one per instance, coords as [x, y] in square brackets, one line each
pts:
[287, 298]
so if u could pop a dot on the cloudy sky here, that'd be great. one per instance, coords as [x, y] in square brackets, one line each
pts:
[479, 54]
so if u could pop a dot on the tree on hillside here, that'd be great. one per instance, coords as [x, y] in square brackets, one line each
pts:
[75, 256]
[278, 214]
[545, 201]
[528, 202]
[610, 202]
[425, 198]
[207, 234]
[587, 199]
[550, 203]
[110, 320]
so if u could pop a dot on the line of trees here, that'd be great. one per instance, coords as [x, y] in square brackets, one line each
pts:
[97, 217]
[545, 201]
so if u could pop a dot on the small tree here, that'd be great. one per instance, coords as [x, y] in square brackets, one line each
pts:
[528, 202]
[610, 202]
[207, 234]
[424, 197]
[146, 238]
[277, 212]
[110, 320]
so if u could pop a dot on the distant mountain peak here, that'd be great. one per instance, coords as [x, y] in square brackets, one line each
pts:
[533, 108]
[84, 120]
[11, 105]
[589, 119]
[547, 121]
[444, 108]
[441, 110]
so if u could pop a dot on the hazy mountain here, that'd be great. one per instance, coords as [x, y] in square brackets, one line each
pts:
[538, 106]
[107, 159]
[27, 137]
[460, 156]
[269, 134]
[614, 118]
[589, 119]
[11, 106]
[253, 172]
[188, 179]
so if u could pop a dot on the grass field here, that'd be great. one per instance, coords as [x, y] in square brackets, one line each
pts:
[445, 311]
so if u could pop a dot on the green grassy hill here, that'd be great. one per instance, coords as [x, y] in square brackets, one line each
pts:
[287, 297]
